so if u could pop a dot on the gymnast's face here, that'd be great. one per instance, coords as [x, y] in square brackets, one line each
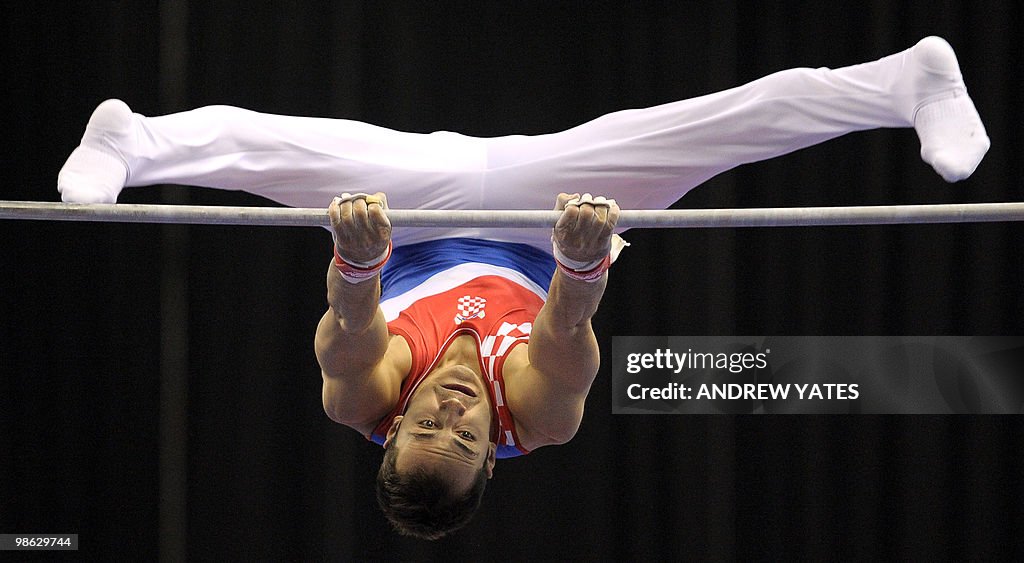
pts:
[446, 428]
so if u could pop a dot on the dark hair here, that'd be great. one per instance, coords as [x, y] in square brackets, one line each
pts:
[421, 504]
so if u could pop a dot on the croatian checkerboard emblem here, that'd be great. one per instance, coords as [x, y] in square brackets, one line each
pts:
[470, 308]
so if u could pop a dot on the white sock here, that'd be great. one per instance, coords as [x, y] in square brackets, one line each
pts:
[953, 139]
[97, 170]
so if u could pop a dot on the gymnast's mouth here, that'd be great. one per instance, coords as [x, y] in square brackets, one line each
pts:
[459, 388]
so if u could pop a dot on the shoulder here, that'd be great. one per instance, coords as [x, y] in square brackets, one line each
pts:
[362, 404]
[545, 413]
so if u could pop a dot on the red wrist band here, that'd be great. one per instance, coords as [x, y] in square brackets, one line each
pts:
[356, 274]
[591, 275]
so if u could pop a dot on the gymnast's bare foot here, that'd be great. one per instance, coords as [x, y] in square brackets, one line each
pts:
[953, 139]
[97, 170]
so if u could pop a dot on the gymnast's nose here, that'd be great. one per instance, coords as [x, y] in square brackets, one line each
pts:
[453, 406]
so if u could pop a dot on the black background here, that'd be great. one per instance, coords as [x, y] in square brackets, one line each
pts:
[87, 324]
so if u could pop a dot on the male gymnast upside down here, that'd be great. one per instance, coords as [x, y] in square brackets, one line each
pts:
[455, 347]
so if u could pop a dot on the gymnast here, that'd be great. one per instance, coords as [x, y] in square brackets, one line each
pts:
[455, 347]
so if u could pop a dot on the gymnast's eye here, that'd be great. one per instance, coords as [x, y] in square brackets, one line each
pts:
[428, 424]
[466, 434]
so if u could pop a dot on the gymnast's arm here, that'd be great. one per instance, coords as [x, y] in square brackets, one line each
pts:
[562, 357]
[362, 365]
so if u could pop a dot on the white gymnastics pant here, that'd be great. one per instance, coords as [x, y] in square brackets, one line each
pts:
[644, 158]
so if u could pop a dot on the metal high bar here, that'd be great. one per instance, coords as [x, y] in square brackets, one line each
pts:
[629, 218]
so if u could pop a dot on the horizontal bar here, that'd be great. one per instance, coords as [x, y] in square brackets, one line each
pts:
[672, 218]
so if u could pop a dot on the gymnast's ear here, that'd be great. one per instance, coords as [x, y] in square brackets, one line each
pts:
[392, 430]
[489, 464]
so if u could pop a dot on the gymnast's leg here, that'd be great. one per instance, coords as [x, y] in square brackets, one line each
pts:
[649, 158]
[646, 158]
[297, 161]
